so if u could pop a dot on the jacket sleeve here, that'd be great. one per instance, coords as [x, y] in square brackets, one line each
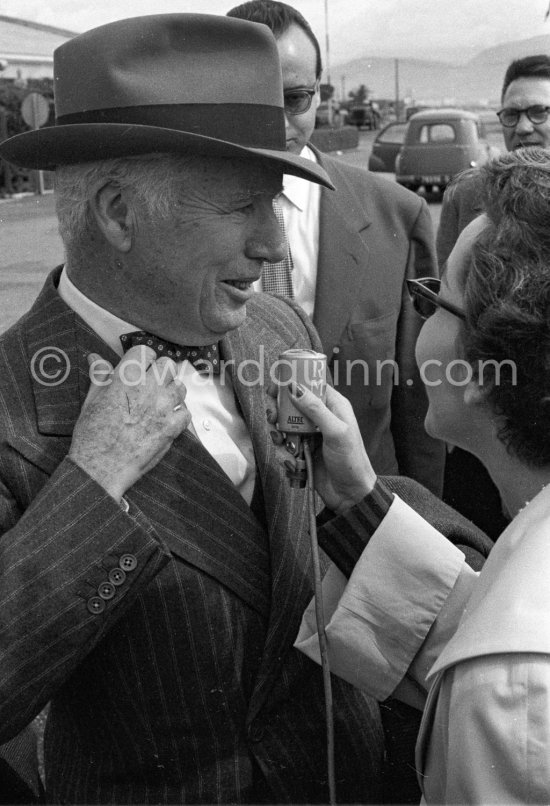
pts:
[386, 625]
[70, 564]
[418, 455]
[345, 545]
[448, 229]
[462, 202]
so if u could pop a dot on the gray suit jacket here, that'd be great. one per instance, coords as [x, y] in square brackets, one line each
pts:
[177, 681]
[462, 202]
[373, 234]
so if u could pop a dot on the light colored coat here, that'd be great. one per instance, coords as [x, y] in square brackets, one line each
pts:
[414, 616]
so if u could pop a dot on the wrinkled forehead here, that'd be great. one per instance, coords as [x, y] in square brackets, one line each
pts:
[531, 90]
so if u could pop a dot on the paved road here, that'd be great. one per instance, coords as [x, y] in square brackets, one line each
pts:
[31, 246]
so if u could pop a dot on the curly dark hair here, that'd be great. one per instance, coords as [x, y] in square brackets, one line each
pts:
[507, 301]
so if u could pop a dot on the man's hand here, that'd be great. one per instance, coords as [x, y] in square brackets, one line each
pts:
[343, 472]
[130, 418]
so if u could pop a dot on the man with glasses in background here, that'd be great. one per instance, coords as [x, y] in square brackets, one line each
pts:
[523, 116]
[524, 119]
[350, 253]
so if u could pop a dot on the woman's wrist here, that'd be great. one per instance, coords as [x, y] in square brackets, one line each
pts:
[355, 496]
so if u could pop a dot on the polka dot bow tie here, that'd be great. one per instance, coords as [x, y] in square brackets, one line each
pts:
[205, 358]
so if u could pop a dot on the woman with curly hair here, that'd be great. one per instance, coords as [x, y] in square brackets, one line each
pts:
[413, 620]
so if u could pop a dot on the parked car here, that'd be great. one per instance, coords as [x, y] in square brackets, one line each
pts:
[364, 116]
[440, 143]
[386, 146]
[323, 115]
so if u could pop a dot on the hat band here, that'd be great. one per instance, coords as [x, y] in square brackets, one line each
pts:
[249, 125]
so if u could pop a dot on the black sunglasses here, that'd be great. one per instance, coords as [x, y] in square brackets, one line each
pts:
[298, 101]
[426, 300]
[536, 114]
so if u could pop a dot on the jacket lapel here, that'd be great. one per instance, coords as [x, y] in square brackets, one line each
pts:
[56, 343]
[192, 504]
[343, 255]
[286, 510]
[197, 511]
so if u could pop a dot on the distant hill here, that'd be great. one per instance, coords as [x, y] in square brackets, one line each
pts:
[503, 54]
[478, 81]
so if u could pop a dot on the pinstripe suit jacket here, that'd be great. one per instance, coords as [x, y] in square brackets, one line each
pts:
[183, 686]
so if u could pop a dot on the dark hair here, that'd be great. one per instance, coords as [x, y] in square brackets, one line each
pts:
[528, 67]
[278, 17]
[507, 301]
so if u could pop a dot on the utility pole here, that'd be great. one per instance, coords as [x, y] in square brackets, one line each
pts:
[327, 65]
[396, 72]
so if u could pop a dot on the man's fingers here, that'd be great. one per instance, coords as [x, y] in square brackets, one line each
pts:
[100, 370]
[180, 387]
[101, 374]
[179, 407]
[134, 365]
[164, 370]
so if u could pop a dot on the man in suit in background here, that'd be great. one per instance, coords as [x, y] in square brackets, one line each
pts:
[352, 251]
[525, 121]
[525, 101]
[155, 560]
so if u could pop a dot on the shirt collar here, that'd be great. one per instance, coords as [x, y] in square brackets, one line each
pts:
[107, 326]
[296, 189]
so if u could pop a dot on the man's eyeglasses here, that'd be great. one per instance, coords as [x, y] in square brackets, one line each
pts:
[536, 114]
[298, 101]
[426, 300]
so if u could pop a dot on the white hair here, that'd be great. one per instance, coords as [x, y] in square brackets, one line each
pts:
[155, 179]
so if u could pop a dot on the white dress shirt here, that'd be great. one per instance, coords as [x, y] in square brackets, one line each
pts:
[300, 201]
[210, 398]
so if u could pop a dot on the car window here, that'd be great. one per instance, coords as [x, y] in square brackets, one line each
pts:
[437, 133]
[393, 134]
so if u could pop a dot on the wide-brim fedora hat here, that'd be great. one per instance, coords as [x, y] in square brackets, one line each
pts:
[198, 83]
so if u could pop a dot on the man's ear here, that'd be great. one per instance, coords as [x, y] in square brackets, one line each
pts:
[113, 216]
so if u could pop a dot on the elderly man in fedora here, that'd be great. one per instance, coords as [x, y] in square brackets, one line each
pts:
[155, 562]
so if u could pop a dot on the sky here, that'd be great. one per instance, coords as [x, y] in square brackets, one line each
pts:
[432, 29]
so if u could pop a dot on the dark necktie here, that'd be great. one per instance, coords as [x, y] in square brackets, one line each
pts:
[204, 358]
[277, 277]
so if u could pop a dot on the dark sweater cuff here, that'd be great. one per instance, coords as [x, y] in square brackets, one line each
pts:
[344, 537]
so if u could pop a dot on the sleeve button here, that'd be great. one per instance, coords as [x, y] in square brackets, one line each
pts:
[128, 562]
[95, 605]
[106, 590]
[117, 576]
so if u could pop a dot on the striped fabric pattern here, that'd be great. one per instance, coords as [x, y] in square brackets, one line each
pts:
[186, 688]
